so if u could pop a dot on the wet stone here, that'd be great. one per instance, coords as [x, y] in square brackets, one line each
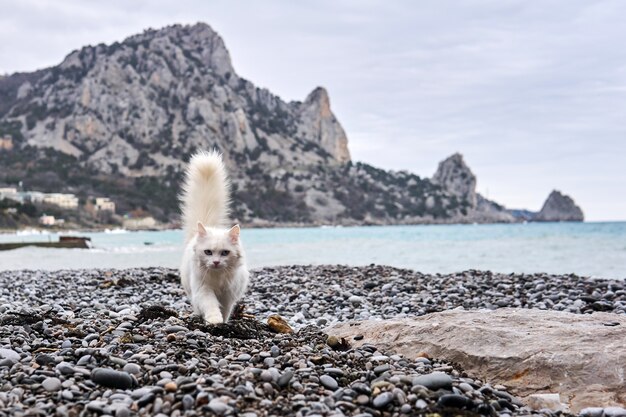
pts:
[454, 400]
[111, 378]
[382, 368]
[434, 381]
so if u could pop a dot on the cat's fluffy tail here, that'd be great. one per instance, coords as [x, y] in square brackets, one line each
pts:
[205, 195]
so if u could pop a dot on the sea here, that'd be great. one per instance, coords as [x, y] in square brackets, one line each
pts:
[588, 249]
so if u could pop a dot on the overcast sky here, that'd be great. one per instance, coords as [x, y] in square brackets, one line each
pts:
[532, 93]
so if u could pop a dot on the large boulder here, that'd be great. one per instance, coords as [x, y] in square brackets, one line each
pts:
[580, 357]
[559, 208]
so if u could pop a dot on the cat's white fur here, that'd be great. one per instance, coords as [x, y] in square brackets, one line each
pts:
[213, 270]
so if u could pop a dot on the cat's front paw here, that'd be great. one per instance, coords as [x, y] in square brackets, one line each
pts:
[213, 318]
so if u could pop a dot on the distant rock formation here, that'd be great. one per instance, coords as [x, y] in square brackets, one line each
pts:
[559, 208]
[456, 177]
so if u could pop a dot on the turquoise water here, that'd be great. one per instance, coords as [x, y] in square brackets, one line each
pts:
[593, 249]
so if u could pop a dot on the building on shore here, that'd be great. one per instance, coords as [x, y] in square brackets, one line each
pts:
[6, 143]
[141, 223]
[66, 201]
[46, 220]
[10, 194]
[104, 204]
[35, 197]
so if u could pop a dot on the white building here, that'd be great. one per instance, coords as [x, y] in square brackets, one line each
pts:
[34, 197]
[67, 201]
[140, 223]
[104, 204]
[10, 194]
[46, 220]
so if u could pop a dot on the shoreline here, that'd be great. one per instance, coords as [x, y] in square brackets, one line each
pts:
[283, 226]
[94, 347]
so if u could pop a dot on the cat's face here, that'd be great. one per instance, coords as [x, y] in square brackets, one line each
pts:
[217, 249]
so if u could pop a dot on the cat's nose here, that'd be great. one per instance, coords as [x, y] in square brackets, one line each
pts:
[216, 263]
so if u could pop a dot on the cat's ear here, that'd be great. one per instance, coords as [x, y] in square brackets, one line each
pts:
[233, 233]
[201, 230]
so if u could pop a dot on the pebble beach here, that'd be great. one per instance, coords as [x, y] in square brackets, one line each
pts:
[124, 343]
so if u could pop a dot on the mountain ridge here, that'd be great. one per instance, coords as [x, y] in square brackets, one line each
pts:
[122, 119]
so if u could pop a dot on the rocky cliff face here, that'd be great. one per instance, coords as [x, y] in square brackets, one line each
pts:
[559, 208]
[456, 177]
[143, 105]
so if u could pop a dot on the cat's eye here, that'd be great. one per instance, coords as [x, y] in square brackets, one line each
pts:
[225, 252]
[208, 252]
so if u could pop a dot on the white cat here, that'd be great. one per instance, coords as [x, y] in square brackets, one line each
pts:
[213, 271]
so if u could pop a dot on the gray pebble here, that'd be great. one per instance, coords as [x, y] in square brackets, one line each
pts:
[9, 355]
[329, 382]
[132, 368]
[285, 378]
[382, 400]
[188, 401]
[434, 381]
[111, 378]
[51, 384]
[219, 407]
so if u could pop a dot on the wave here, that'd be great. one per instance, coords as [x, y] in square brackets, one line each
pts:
[116, 231]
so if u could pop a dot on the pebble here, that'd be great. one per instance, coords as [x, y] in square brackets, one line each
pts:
[454, 400]
[329, 382]
[383, 400]
[219, 407]
[434, 381]
[51, 384]
[355, 300]
[188, 401]
[284, 379]
[111, 378]
[266, 376]
[122, 412]
[382, 368]
[132, 368]
[175, 329]
[9, 355]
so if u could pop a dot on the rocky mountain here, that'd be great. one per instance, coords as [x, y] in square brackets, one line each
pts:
[120, 120]
[455, 176]
[559, 208]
